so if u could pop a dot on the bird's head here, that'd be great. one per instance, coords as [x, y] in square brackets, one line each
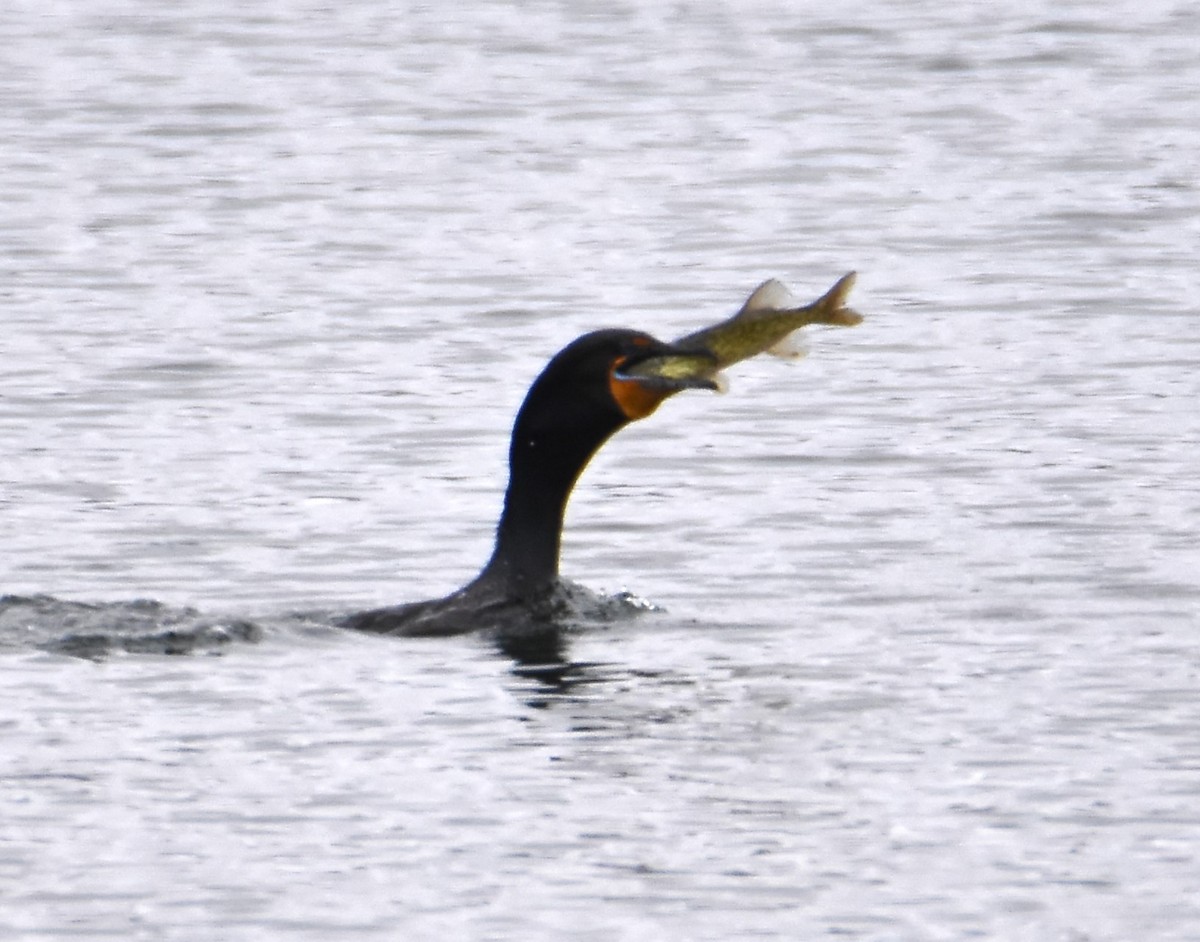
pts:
[590, 386]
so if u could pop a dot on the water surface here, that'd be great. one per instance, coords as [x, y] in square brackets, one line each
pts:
[274, 283]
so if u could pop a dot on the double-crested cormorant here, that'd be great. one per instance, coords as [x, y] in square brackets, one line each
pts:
[580, 399]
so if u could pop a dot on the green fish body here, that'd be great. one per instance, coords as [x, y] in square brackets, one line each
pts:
[766, 323]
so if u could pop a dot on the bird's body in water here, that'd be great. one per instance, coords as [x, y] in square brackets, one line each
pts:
[592, 388]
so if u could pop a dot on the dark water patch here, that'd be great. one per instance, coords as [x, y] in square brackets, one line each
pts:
[1147, 589]
[168, 370]
[1068, 27]
[96, 630]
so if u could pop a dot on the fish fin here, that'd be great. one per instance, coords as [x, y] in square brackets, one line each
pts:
[791, 347]
[771, 295]
[722, 383]
[844, 317]
[831, 308]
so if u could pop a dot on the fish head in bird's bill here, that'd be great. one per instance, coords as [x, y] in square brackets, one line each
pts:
[639, 382]
[671, 372]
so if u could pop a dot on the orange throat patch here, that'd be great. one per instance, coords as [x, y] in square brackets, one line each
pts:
[632, 397]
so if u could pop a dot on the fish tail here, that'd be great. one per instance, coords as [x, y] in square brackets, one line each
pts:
[831, 308]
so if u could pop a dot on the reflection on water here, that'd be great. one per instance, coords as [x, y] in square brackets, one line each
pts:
[536, 650]
[542, 661]
[274, 285]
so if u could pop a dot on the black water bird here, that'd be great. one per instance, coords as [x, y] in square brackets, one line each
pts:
[581, 398]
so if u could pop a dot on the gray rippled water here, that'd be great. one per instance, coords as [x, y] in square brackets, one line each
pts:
[925, 655]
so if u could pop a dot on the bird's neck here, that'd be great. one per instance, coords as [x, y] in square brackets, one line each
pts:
[542, 474]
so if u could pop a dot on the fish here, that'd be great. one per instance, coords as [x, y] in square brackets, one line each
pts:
[767, 323]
